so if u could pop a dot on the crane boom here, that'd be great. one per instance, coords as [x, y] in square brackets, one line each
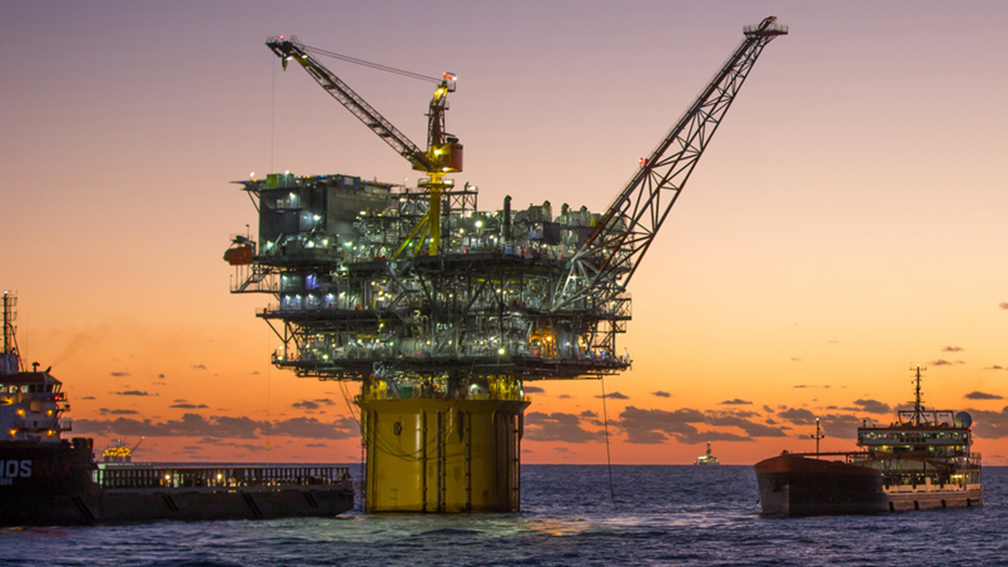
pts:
[443, 154]
[290, 48]
[601, 268]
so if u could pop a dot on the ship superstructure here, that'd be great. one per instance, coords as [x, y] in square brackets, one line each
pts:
[923, 450]
[443, 311]
[31, 403]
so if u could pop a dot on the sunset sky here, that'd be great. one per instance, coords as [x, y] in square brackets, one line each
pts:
[847, 222]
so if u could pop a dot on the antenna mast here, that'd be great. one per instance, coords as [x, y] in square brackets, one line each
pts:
[10, 358]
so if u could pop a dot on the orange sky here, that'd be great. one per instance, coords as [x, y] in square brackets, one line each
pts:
[846, 223]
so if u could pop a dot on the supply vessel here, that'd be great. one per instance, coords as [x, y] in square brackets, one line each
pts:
[48, 480]
[921, 461]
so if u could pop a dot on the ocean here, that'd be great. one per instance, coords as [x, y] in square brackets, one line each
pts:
[663, 515]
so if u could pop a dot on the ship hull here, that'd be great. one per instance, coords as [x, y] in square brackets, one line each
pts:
[54, 484]
[141, 505]
[928, 498]
[796, 485]
[793, 485]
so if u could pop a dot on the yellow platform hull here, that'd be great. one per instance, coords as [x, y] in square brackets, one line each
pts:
[437, 455]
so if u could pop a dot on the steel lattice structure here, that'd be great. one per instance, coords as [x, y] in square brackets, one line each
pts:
[600, 271]
[507, 296]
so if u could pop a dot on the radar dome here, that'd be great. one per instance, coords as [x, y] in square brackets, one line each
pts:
[963, 419]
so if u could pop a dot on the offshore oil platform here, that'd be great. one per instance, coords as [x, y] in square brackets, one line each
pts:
[443, 311]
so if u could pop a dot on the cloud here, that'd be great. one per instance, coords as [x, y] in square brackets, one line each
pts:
[588, 413]
[131, 393]
[952, 349]
[105, 411]
[795, 359]
[1003, 305]
[190, 425]
[752, 429]
[840, 426]
[661, 394]
[185, 405]
[736, 402]
[653, 426]
[342, 428]
[995, 367]
[313, 404]
[943, 362]
[199, 367]
[990, 424]
[873, 406]
[564, 427]
[533, 389]
[615, 396]
[982, 396]
[119, 374]
[798, 416]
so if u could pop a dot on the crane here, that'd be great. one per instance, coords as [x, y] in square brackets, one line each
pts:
[442, 156]
[599, 271]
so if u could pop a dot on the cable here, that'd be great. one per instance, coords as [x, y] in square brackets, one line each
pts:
[272, 115]
[373, 65]
[605, 421]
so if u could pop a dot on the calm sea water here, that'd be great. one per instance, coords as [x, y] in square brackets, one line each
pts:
[664, 515]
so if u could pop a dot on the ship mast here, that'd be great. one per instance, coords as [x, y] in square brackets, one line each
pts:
[10, 358]
[918, 408]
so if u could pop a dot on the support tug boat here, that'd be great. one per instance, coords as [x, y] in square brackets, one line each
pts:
[46, 480]
[922, 461]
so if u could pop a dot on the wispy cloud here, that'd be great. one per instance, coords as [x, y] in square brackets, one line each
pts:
[736, 402]
[873, 406]
[106, 411]
[313, 404]
[982, 396]
[131, 393]
[952, 349]
[661, 394]
[943, 362]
